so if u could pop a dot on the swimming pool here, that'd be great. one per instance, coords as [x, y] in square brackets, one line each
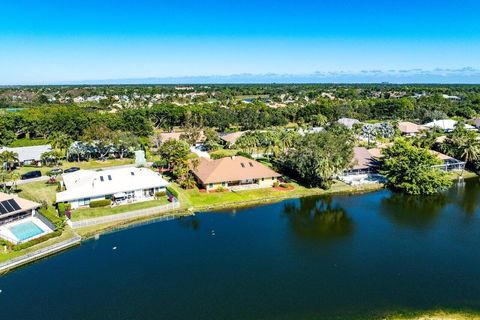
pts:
[26, 230]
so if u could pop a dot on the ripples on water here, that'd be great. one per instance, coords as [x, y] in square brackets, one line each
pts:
[312, 258]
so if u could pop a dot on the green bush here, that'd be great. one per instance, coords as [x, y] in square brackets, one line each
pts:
[276, 184]
[160, 194]
[61, 209]
[172, 191]
[100, 203]
[244, 154]
[51, 215]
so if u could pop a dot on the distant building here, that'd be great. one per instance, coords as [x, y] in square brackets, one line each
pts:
[123, 185]
[29, 155]
[231, 138]
[448, 97]
[409, 128]
[164, 136]
[348, 122]
[233, 173]
[446, 125]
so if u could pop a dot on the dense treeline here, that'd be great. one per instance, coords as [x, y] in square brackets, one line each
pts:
[73, 120]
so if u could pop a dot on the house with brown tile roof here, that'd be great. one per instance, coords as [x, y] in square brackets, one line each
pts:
[231, 138]
[233, 173]
[362, 162]
[410, 128]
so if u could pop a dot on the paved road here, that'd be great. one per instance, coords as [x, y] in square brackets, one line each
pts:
[45, 178]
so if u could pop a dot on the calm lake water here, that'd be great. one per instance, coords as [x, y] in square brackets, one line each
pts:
[313, 258]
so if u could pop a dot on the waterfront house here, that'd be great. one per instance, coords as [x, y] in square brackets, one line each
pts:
[29, 155]
[363, 168]
[447, 163]
[20, 220]
[409, 128]
[15, 208]
[122, 185]
[234, 173]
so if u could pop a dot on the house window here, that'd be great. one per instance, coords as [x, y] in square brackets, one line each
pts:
[251, 164]
[273, 178]
[101, 178]
[263, 179]
[210, 185]
[110, 177]
[242, 164]
[223, 184]
[132, 173]
[84, 202]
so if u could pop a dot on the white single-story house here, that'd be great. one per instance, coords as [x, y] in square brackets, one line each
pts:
[446, 125]
[29, 155]
[20, 220]
[122, 185]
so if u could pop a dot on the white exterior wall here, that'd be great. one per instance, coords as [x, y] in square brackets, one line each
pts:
[267, 182]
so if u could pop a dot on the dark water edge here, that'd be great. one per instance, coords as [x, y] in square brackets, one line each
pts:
[341, 257]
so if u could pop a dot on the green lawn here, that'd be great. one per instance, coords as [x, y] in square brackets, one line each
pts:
[38, 191]
[198, 200]
[88, 213]
[28, 142]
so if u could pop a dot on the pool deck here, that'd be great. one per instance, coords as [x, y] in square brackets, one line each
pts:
[6, 232]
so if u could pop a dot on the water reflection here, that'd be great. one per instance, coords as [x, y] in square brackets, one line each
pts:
[191, 222]
[413, 211]
[315, 219]
[466, 195]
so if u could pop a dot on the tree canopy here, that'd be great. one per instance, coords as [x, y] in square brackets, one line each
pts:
[411, 169]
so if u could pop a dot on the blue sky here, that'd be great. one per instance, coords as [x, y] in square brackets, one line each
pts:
[74, 41]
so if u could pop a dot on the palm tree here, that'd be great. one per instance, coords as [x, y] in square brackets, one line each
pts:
[61, 141]
[14, 177]
[9, 158]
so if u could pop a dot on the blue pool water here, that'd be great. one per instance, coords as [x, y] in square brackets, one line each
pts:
[26, 230]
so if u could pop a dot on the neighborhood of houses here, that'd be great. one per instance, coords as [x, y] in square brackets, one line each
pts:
[20, 219]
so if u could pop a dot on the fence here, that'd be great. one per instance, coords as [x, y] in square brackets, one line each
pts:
[16, 262]
[125, 216]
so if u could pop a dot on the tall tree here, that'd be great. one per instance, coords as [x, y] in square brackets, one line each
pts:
[412, 170]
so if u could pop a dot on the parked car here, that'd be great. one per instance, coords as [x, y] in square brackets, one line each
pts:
[72, 169]
[31, 175]
[56, 171]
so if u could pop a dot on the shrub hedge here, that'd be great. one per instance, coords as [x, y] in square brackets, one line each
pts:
[100, 203]
[160, 194]
[172, 191]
